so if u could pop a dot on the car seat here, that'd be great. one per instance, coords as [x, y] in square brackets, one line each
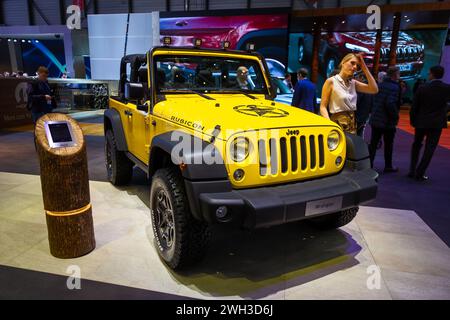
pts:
[178, 78]
[205, 79]
[143, 75]
[160, 78]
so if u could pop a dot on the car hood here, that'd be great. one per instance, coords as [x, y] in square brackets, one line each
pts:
[286, 98]
[234, 113]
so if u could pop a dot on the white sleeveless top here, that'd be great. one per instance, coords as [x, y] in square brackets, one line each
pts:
[342, 97]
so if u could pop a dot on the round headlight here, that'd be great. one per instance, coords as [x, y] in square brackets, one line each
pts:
[333, 140]
[240, 149]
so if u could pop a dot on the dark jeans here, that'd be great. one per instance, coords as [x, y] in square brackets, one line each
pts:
[36, 115]
[432, 140]
[388, 137]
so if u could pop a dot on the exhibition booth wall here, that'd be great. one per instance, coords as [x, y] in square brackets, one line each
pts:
[50, 46]
[284, 38]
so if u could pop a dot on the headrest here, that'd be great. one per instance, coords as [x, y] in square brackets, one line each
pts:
[205, 78]
[160, 76]
[143, 74]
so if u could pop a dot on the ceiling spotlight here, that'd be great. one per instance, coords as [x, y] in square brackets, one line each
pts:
[29, 41]
[15, 40]
[406, 16]
[250, 47]
[9, 40]
[36, 41]
[343, 21]
[23, 40]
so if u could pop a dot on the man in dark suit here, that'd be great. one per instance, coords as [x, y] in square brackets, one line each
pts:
[41, 99]
[305, 93]
[384, 117]
[428, 116]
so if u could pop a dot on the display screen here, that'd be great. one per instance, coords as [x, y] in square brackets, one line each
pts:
[46, 52]
[268, 33]
[60, 132]
[420, 41]
[417, 51]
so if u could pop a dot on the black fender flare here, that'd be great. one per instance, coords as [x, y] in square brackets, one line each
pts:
[357, 152]
[195, 169]
[113, 116]
[195, 166]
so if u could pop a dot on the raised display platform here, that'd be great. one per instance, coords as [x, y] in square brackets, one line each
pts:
[287, 262]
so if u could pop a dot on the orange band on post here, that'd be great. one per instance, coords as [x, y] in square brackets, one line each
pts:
[68, 213]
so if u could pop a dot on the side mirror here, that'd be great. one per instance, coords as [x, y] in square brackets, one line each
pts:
[134, 91]
[142, 107]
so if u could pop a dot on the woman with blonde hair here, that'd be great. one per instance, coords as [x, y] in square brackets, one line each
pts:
[338, 101]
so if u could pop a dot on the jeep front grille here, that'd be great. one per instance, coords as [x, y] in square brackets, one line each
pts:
[289, 154]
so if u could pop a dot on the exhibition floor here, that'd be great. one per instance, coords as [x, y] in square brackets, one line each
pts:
[286, 262]
[405, 232]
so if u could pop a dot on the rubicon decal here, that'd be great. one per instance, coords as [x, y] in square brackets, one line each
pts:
[261, 111]
[188, 123]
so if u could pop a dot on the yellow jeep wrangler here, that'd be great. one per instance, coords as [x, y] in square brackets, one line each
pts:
[218, 150]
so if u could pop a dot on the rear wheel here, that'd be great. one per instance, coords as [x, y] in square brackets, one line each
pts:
[335, 220]
[118, 167]
[181, 240]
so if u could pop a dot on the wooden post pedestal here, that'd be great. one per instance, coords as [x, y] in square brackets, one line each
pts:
[65, 190]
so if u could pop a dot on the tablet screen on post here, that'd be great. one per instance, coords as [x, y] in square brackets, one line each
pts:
[59, 134]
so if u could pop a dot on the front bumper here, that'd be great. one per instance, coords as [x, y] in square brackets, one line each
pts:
[268, 206]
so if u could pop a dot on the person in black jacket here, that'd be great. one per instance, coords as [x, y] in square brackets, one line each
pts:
[363, 107]
[428, 116]
[40, 96]
[384, 117]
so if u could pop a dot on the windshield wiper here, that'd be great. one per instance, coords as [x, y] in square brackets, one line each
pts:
[189, 91]
[243, 91]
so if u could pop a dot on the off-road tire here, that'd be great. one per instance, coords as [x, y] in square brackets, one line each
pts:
[335, 220]
[190, 236]
[119, 168]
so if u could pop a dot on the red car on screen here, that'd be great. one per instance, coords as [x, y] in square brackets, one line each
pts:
[335, 45]
[267, 32]
[410, 52]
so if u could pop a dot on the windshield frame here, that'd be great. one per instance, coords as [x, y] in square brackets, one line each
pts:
[195, 53]
[278, 83]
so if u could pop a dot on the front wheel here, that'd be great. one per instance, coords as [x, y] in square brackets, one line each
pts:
[335, 220]
[180, 239]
